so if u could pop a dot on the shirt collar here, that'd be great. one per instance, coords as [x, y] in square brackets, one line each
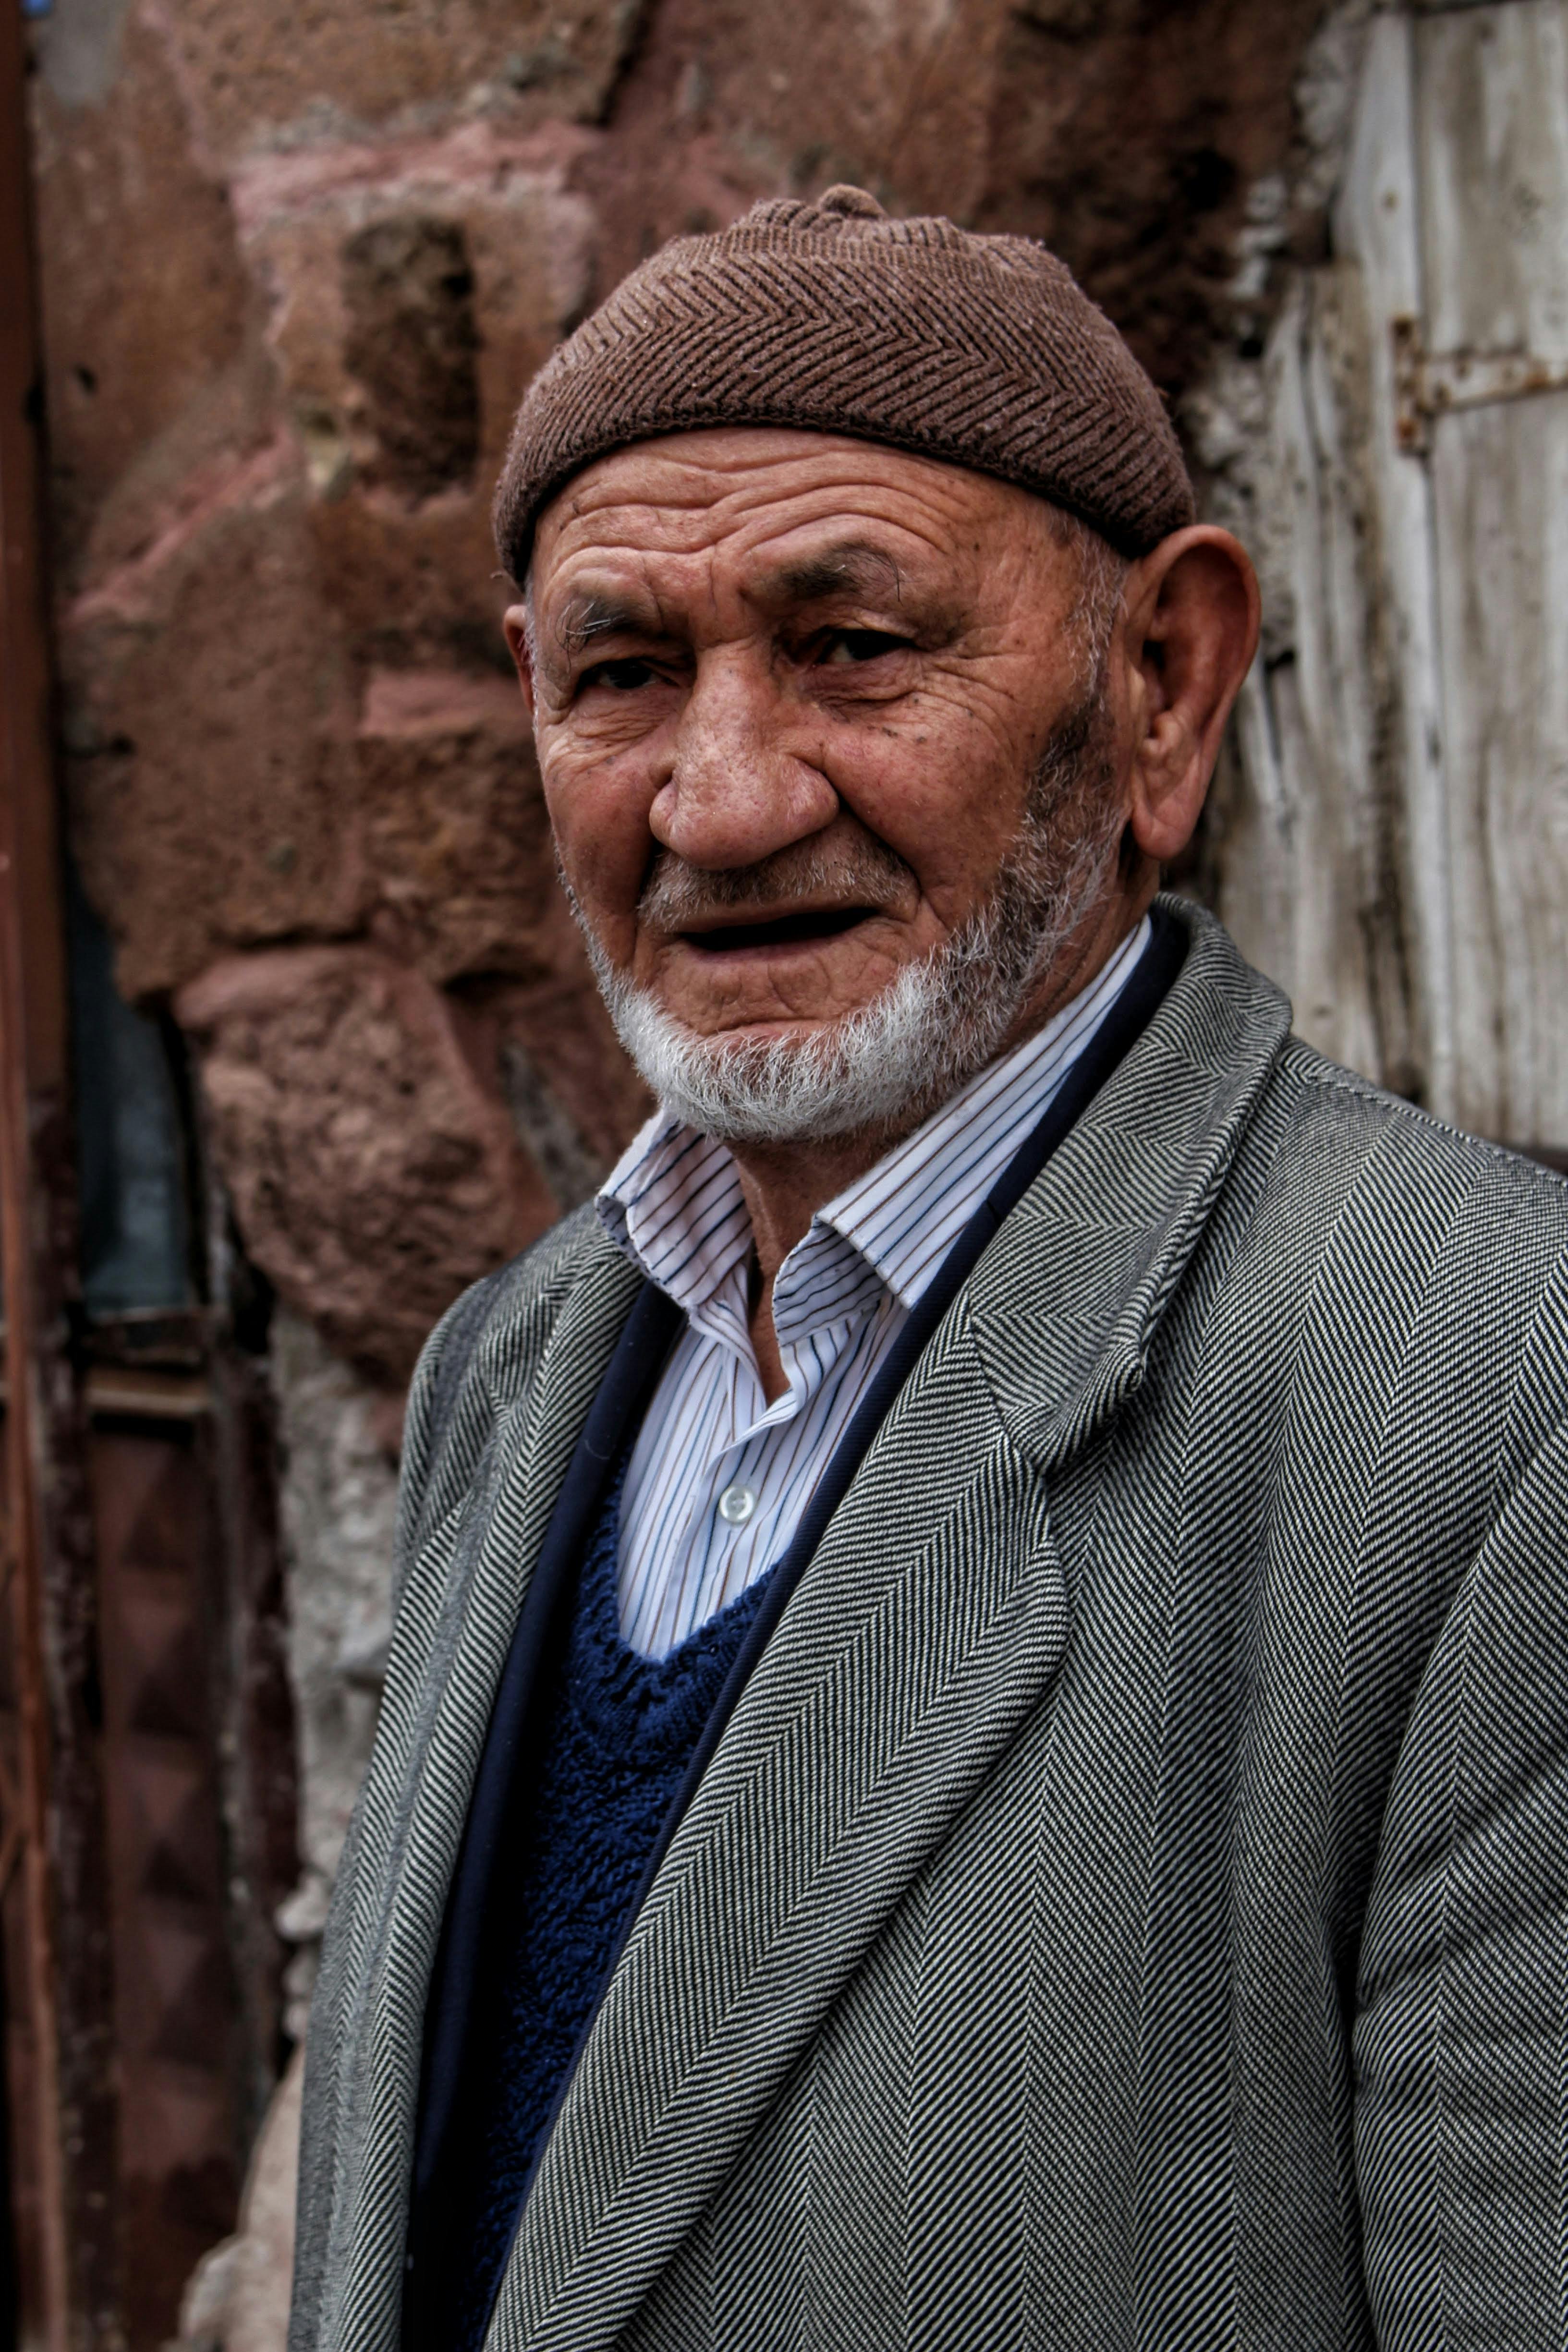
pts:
[910, 1209]
[673, 1204]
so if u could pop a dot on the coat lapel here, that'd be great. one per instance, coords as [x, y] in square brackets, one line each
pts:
[926, 1630]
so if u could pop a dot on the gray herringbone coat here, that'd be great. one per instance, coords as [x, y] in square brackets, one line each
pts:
[1127, 1906]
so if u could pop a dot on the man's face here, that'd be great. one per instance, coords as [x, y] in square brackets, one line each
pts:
[814, 657]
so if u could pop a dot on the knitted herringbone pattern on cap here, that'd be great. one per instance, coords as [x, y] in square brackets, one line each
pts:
[979, 349]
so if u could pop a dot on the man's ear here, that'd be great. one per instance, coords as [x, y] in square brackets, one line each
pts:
[1192, 614]
[514, 622]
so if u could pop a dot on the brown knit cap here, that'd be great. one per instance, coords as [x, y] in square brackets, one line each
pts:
[979, 349]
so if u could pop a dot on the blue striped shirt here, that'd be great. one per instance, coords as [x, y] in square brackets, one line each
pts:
[718, 1478]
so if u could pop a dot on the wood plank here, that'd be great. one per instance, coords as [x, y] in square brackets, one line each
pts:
[1491, 138]
[1320, 718]
[1375, 229]
[1492, 113]
[1500, 480]
[1333, 867]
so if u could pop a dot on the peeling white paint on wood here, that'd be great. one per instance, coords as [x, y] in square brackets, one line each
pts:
[1394, 841]
[1492, 129]
[1492, 120]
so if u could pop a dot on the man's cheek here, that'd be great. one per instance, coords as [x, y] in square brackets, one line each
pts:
[592, 784]
[604, 845]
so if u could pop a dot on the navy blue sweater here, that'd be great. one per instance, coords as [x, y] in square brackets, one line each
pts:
[612, 1735]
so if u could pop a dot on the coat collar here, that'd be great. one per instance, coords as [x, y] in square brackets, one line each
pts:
[1067, 1301]
[927, 1629]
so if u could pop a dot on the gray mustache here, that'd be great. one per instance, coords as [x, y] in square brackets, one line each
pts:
[676, 894]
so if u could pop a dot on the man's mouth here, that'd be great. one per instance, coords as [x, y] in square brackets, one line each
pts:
[800, 927]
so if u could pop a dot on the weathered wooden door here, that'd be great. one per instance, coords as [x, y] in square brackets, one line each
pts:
[1403, 858]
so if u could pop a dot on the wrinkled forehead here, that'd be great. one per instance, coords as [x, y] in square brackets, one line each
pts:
[770, 509]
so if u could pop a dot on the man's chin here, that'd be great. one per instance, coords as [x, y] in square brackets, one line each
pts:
[751, 1036]
[870, 1071]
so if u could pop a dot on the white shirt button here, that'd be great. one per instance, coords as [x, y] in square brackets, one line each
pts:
[736, 1504]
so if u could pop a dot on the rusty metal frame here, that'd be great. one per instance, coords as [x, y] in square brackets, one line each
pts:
[52, 1828]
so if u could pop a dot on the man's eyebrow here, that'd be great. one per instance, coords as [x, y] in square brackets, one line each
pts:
[852, 568]
[584, 618]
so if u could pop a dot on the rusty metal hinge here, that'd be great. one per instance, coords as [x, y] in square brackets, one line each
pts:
[1428, 383]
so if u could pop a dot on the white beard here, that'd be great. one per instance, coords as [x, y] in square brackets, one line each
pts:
[890, 1063]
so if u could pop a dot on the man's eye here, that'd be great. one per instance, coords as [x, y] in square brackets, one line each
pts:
[624, 676]
[846, 646]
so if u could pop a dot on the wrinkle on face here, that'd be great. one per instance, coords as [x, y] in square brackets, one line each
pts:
[852, 567]
[711, 696]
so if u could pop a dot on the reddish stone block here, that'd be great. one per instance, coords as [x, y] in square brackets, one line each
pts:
[459, 864]
[373, 1176]
[148, 304]
[413, 287]
[263, 77]
[211, 731]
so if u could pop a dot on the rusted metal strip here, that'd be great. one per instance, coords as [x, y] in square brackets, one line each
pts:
[1429, 385]
[65, 2148]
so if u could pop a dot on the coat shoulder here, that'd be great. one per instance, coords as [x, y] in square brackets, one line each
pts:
[1457, 1242]
[1410, 1142]
[478, 1357]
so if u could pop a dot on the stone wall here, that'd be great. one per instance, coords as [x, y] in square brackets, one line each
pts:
[299, 264]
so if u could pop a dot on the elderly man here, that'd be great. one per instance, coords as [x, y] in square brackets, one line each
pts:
[973, 1749]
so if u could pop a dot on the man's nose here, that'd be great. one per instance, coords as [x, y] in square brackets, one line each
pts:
[742, 785]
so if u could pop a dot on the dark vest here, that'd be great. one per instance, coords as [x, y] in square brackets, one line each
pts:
[508, 2010]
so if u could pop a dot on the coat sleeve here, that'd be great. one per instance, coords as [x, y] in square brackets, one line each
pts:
[432, 1393]
[1461, 2036]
